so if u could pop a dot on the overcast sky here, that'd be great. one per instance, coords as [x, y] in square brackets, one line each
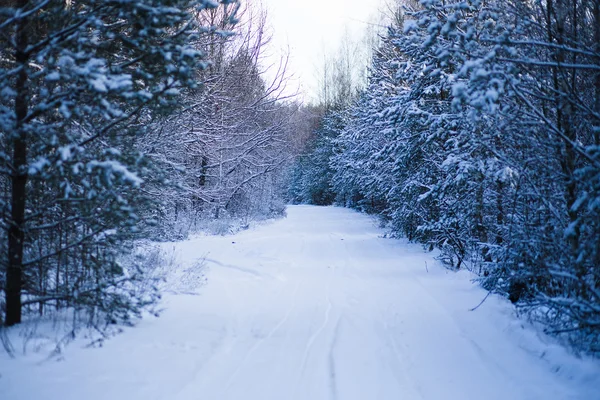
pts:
[311, 27]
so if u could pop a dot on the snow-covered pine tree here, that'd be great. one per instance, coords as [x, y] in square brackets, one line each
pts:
[312, 177]
[77, 83]
[361, 179]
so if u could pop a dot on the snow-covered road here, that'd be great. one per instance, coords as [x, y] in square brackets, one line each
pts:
[315, 306]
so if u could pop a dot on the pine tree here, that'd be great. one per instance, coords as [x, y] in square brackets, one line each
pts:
[77, 83]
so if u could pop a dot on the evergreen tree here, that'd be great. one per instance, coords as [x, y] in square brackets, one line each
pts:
[77, 83]
[478, 135]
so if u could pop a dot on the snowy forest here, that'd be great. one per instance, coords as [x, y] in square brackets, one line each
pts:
[470, 127]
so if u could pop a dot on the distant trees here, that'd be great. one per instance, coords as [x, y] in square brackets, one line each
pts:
[478, 135]
[228, 146]
[312, 175]
[341, 79]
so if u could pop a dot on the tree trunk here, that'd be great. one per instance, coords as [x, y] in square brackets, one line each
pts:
[480, 229]
[597, 80]
[499, 213]
[558, 13]
[16, 233]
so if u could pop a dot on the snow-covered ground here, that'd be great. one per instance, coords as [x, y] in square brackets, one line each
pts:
[314, 306]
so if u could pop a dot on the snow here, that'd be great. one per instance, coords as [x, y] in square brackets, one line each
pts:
[38, 165]
[410, 25]
[103, 83]
[114, 167]
[53, 76]
[65, 152]
[314, 306]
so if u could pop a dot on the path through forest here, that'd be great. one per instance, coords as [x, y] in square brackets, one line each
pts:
[314, 306]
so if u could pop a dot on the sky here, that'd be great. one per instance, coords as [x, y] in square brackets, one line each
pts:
[312, 27]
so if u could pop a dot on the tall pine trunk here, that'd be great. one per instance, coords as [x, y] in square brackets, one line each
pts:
[16, 233]
[597, 80]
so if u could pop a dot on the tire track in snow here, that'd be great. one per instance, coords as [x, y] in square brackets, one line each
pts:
[237, 268]
[317, 333]
[332, 368]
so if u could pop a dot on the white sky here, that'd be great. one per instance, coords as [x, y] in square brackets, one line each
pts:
[311, 27]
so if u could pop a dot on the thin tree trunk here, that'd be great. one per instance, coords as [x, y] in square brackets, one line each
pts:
[16, 234]
[499, 213]
[597, 81]
[558, 11]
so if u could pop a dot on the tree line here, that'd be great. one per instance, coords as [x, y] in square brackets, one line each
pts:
[478, 134]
